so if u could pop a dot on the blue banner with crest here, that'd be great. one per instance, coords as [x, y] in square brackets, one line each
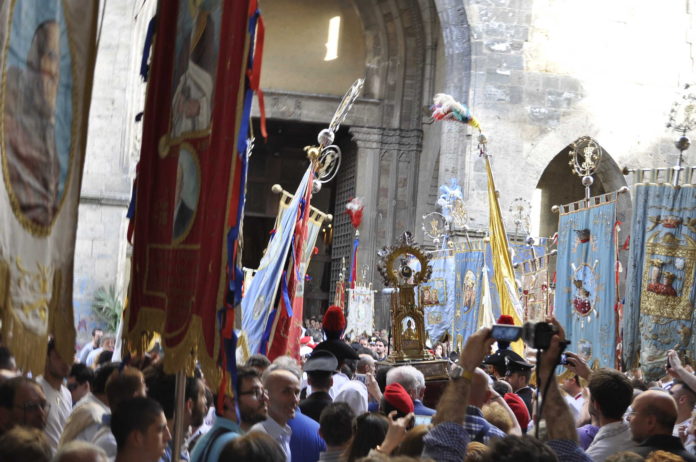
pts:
[586, 278]
[661, 281]
[437, 296]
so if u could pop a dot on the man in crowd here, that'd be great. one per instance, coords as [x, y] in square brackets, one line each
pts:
[258, 362]
[80, 381]
[354, 391]
[380, 350]
[161, 387]
[652, 422]
[305, 442]
[106, 344]
[413, 382]
[22, 402]
[55, 371]
[283, 397]
[319, 368]
[90, 346]
[686, 400]
[86, 417]
[479, 394]
[570, 383]
[141, 431]
[336, 428]
[610, 395]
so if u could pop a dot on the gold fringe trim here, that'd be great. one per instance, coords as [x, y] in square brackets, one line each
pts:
[61, 322]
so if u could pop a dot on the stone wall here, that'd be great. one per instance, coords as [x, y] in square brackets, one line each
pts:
[113, 148]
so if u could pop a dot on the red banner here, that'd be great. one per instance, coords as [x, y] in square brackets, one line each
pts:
[188, 177]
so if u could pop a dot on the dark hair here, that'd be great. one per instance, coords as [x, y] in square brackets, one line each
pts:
[21, 444]
[258, 360]
[162, 388]
[245, 373]
[101, 376]
[94, 331]
[6, 358]
[501, 387]
[104, 357]
[82, 373]
[336, 424]
[515, 448]
[639, 384]
[381, 377]
[135, 414]
[386, 408]
[612, 391]
[122, 385]
[369, 430]
[252, 447]
[8, 390]
[320, 379]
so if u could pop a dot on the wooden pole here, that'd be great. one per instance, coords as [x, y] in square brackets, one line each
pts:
[179, 415]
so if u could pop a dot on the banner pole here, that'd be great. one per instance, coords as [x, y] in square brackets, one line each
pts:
[179, 416]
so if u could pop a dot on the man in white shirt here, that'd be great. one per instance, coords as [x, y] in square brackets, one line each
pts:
[610, 395]
[686, 399]
[57, 395]
[570, 383]
[283, 397]
[90, 346]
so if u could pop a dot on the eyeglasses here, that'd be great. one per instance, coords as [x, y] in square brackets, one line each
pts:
[34, 406]
[256, 392]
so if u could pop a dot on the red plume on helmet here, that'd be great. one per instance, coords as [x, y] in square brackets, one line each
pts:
[334, 322]
[506, 319]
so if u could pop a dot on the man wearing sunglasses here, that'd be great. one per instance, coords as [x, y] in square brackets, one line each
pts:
[22, 402]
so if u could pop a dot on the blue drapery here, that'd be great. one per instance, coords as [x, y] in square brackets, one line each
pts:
[469, 278]
[586, 285]
[437, 296]
[660, 285]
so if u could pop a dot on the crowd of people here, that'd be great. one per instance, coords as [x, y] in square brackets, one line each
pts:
[342, 402]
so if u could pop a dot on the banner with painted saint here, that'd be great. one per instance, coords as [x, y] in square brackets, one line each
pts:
[437, 296]
[47, 60]
[469, 267]
[586, 297]
[661, 281]
[361, 309]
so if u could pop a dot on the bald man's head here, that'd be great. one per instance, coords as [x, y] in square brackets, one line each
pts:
[654, 413]
[480, 390]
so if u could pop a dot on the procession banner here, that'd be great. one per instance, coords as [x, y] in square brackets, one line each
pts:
[437, 296]
[469, 289]
[661, 281]
[537, 295]
[287, 330]
[190, 179]
[48, 54]
[586, 297]
[361, 307]
[259, 298]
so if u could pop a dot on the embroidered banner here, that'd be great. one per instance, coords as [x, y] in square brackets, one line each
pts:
[259, 298]
[437, 296]
[586, 278]
[48, 53]
[287, 329]
[537, 295]
[361, 306]
[190, 179]
[469, 266]
[661, 281]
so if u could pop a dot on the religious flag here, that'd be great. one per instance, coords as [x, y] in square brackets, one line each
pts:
[287, 328]
[661, 281]
[49, 49]
[586, 296]
[437, 296]
[504, 276]
[361, 309]
[258, 299]
[191, 178]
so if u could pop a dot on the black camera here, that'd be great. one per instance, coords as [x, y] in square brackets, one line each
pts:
[538, 335]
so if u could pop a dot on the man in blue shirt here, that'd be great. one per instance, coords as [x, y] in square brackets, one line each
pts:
[305, 442]
[414, 382]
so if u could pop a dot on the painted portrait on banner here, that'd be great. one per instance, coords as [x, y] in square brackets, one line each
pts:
[38, 114]
[188, 184]
[195, 64]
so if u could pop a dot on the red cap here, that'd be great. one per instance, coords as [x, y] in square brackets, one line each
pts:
[334, 321]
[506, 319]
[397, 396]
[518, 408]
